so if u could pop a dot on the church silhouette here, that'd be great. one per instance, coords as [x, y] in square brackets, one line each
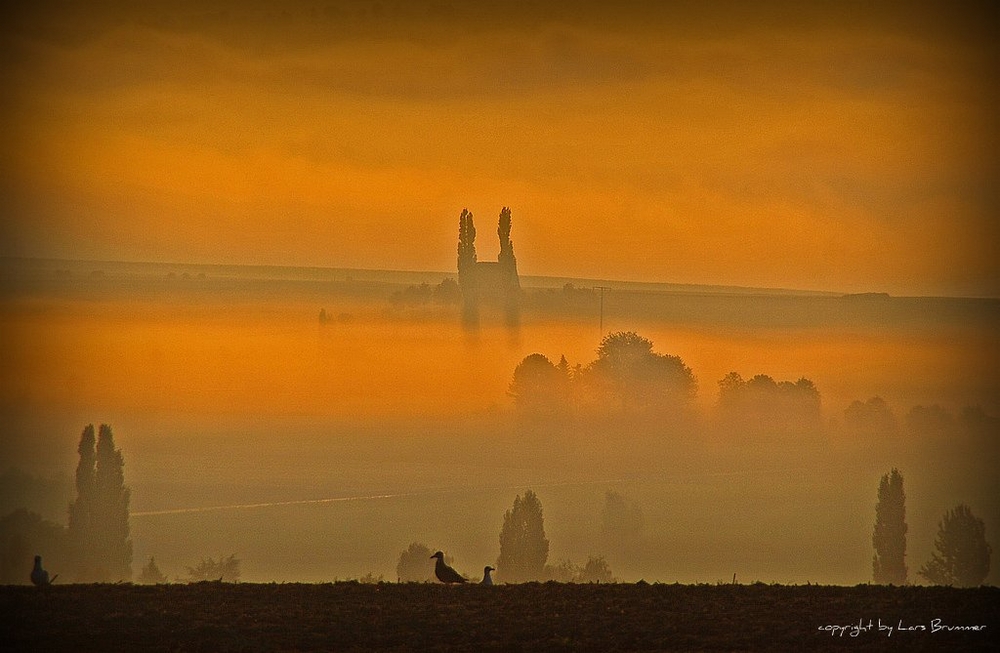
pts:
[490, 284]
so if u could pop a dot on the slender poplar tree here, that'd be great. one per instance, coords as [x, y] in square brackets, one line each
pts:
[889, 536]
[113, 532]
[81, 522]
[467, 268]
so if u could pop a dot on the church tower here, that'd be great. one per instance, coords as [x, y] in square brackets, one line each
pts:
[493, 284]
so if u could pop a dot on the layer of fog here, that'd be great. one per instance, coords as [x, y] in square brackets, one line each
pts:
[234, 395]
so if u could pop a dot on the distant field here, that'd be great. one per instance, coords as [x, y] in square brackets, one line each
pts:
[530, 617]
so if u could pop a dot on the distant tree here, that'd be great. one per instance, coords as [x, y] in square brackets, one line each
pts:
[621, 523]
[413, 295]
[930, 421]
[961, 555]
[596, 570]
[889, 536]
[762, 404]
[151, 574]
[565, 571]
[524, 548]
[225, 569]
[977, 431]
[447, 292]
[801, 400]
[23, 535]
[538, 386]
[415, 565]
[975, 420]
[564, 369]
[81, 512]
[467, 269]
[46, 496]
[872, 418]
[629, 371]
[466, 241]
[111, 514]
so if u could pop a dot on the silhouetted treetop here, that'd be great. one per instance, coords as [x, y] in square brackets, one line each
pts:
[597, 570]
[961, 555]
[872, 417]
[538, 385]
[151, 574]
[447, 292]
[503, 231]
[225, 570]
[524, 549]
[466, 241]
[930, 421]
[762, 404]
[415, 564]
[628, 370]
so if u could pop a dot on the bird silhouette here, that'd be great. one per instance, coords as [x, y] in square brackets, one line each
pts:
[444, 573]
[39, 576]
[487, 579]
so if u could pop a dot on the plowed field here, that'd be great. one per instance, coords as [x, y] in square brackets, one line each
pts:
[530, 617]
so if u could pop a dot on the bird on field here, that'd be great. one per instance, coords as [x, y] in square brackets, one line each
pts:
[39, 576]
[487, 579]
[444, 573]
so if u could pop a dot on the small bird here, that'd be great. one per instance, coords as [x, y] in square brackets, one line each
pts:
[39, 576]
[487, 579]
[444, 573]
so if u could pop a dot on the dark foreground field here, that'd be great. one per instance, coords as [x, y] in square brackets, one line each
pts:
[530, 617]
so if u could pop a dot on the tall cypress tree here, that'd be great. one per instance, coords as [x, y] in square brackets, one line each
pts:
[81, 521]
[111, 515]
[889, 537]
[467, 269]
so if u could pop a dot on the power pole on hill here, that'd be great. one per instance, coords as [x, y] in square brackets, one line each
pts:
[602, 289]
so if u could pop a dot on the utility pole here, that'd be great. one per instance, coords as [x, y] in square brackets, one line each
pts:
[602, 289]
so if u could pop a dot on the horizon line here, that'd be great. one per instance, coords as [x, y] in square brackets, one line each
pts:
[743, 289]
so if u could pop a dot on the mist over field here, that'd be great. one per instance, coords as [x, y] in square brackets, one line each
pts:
[595, 325]
[320, 449]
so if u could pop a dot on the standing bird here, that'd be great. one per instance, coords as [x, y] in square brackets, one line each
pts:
[39, 576]
[444, 573]
[487, 579]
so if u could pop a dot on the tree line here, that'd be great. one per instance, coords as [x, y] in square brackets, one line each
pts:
[961, 555]
[629, 378]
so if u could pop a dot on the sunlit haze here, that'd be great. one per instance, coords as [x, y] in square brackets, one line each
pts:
[847, 146]
[728, 265]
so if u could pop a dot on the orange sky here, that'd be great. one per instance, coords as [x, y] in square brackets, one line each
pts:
[848, 149]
